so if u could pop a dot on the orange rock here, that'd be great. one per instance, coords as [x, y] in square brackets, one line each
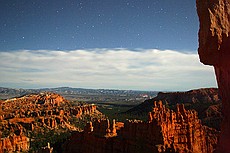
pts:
[32, 112]
[214, 49]
[214, 31]
[165, 131]
[14, 143]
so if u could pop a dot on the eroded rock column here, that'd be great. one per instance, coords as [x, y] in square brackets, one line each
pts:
[214, 49]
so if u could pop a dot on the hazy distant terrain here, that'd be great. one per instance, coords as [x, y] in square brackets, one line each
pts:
[205, 101]
[110, 102]
[81, 94]
[131, 104]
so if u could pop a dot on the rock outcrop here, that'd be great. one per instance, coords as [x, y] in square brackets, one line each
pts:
[48, 108]
[24, 119]
[214, 49]
[165, 131]
[205, 101]
[14, 143]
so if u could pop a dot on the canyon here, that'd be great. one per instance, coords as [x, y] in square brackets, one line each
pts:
[24, 119]
[205, 101]
[30, 122]
[165, 131]
[214, 49]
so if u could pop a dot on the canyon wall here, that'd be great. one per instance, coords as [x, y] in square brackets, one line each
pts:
[24, 118]
[165, 131]
[48, 108]
[214, 49]
[205, 101]
[14, 143]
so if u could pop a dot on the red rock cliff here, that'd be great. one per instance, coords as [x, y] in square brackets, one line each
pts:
[214, 49]
[14, 143]
[165, 131]
[32, 113]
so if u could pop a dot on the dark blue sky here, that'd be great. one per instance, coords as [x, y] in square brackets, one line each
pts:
[77, 24]
[122, 44]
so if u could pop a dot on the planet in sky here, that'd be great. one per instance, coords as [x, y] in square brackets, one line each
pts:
[116, 44]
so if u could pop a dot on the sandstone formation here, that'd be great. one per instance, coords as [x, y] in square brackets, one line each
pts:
[214, 49]
[165, 131]
[205, 101]
[14, 143]
[24, 118]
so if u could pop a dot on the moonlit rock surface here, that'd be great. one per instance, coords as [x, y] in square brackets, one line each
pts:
[214, 41]
[165, 131]
[214, 49]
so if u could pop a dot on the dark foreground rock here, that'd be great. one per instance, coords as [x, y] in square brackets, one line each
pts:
[205, 101]
[165, 131]
[214, 49]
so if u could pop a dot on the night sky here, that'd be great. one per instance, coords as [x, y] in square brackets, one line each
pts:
[87, 24]
[115, 44]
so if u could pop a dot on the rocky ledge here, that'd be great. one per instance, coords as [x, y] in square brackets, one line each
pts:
[214, 49]
[205, 101]
[24, 119]
[165, 131]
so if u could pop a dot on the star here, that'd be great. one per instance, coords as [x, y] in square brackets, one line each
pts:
[126, 18]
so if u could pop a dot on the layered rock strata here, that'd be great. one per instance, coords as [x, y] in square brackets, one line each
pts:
[165, 131]
[214, 49]
[22, 118]
[14, 143]
[205, 101]
[48, 108]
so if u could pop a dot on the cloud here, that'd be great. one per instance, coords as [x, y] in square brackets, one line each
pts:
[105, 68]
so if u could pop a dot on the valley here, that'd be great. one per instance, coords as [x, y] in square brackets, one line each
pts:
[39, 120]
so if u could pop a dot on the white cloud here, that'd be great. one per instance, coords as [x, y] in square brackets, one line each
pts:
[105, 68]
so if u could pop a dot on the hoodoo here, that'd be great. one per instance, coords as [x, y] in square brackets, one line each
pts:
[165, 131]
[214, 49]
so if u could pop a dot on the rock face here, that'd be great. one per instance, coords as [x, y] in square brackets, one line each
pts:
[14, 143]
[198, 96]
[26, 117]
[205, 101]
[48, 108]
[214, 31]
[214, 49]
[165, 131]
